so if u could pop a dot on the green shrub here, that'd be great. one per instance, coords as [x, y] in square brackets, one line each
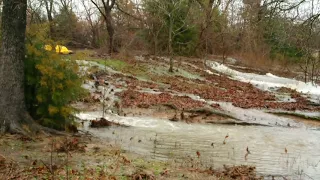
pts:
[51, 83]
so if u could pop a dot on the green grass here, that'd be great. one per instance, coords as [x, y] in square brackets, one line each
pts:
[115, 64]
[164, 71]
[140, 71]
[81, 55]
[155, 166]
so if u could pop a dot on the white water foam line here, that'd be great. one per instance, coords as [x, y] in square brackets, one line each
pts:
[268, 81]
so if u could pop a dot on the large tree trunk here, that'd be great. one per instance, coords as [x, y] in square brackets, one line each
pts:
[110, 30]
[106, 13]
[170, 50]
[13, 113]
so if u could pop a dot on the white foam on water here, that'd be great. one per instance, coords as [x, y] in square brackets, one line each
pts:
[268, 81]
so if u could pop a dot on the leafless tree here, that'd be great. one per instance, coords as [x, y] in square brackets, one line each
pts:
[94, 24]
[34, 10]
[105, 8]
[66, 5]
[49, 4]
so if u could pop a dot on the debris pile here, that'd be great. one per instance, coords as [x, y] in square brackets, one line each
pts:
[102, 123]
[238, 172]
[142, 174]
[68, 145]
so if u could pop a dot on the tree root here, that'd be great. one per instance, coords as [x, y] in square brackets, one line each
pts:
[29, 128]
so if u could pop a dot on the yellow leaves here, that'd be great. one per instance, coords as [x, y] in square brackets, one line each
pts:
[63, 64]
[54, 80]
[43, 83]
[69, 83]
[60, 75]
[44, 69]
[75, 68]
[66, 111]
[39, 98]
[38, 31]
[32, 50]
[53, 110]
[60, 86]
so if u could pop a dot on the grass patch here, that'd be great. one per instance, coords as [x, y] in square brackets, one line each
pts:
[138, 70]
[117, 65]
[155, 166]
[163, 71]
[82, 55]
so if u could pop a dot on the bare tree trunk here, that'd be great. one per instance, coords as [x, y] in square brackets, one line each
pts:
[13, 112]
[93, 25]
[155, 34]
[49, 9]
[306, 71]
[105, 11]
[155, 46]
[204, 29]
[94, 40]
[170, 51]
[110, 29]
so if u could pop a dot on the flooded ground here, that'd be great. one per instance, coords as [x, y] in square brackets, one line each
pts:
[276, 144]
[270, 82]
[277, 151]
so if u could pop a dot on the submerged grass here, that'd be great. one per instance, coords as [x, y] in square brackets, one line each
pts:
[138, 70]
[115, 64]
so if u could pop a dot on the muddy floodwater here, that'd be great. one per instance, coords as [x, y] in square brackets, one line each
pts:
[277, 145]
[275, 151]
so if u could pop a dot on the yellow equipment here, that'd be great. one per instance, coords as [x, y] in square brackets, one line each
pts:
[63, 50]
[59, 49]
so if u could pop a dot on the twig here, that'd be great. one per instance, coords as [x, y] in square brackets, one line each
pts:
[67, 151]
[51, 154]
[46, 166]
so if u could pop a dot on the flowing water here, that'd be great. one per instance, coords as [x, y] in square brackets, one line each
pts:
[278, 146]
[163, 139]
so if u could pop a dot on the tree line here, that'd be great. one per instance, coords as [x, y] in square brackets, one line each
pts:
[257, 29]
[275, 30]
